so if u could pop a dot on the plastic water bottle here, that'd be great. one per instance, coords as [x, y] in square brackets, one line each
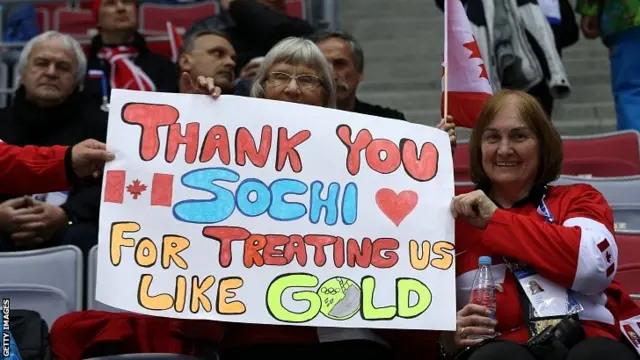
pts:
[483, 291]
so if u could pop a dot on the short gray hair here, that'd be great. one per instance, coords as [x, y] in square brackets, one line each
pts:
[356, 49]
[70, 43]
[294, 50]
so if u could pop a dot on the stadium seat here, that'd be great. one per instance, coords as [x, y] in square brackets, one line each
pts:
[464, 187]
[4, 84]
[627, 216]
[92, 276]
[296, 8]
[461, 163]
[602, 155]
[45, 280]
[78, 23]
[154, 17]
[628, 273]
[42, 16]
[628, 276]
[619, 191]
[45, 12]
[628, 247]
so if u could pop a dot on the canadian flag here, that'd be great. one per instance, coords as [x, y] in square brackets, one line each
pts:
[605, 248]
[119, 184]
[468, 84]
[632, 335]
[175, 40]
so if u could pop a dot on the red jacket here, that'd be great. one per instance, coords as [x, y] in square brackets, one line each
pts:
[84, 334]
[577, 251]
[32, 169]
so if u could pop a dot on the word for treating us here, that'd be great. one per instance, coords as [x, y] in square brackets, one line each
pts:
[194, 294]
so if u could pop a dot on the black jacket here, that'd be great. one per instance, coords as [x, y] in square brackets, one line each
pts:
[565, 34]
[160, 69]
[75, 120]
[253, 28]
[377, 110]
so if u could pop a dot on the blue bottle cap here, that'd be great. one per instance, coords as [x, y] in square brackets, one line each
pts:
[484, 260]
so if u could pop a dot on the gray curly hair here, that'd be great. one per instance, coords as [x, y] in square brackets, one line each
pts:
[295, 50]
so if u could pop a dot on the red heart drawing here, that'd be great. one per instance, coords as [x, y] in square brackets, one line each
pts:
[396, 206]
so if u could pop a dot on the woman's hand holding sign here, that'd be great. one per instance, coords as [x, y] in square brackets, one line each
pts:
[475, 207]
[450, 128]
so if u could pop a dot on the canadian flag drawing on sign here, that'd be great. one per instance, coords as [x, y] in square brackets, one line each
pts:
[605, 248]
[121, 187]
[468, 84]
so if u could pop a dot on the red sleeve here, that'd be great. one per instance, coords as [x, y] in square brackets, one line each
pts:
[32, 169]
[579, 254]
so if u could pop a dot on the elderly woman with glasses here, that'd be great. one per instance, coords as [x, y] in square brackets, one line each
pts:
[295, 70]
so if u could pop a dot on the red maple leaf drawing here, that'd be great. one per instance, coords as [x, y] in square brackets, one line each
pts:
[136, 188]
[475, 54]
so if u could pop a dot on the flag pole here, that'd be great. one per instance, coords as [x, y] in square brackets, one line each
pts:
[446, 61]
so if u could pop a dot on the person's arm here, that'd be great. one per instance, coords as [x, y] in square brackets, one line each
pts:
[83, 203]
[32, 169]
[579, 254]
[265, 25]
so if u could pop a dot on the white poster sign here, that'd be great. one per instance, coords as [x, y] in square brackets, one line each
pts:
[256, 211]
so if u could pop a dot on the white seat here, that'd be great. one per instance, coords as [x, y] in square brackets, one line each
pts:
[92, 277]
[48, 301]
[626, 216]
[45, 279]
[617, 190]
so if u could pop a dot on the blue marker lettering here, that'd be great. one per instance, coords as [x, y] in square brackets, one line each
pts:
[330, 203]
[209, 211]
[281, 209]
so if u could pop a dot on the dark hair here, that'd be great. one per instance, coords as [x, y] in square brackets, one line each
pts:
[191, 37]
[533, 115]
[356, 49]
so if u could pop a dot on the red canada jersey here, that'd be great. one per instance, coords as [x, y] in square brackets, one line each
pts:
[577, 251]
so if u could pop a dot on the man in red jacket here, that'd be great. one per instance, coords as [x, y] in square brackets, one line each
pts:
[32, 169]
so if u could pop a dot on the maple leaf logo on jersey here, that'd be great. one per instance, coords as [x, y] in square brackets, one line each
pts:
[475, 54]
[136, 188]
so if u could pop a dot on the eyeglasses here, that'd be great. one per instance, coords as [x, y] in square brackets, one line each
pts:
[305, 81]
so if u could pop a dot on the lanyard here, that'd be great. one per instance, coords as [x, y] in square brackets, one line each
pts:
[544, 210]
[105, 92]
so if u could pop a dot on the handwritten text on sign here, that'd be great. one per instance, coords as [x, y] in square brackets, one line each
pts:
[258, 211]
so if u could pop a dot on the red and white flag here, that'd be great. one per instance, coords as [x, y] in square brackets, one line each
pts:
[605, 248]
[175, 41]
[468, 84]
[155, 189]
